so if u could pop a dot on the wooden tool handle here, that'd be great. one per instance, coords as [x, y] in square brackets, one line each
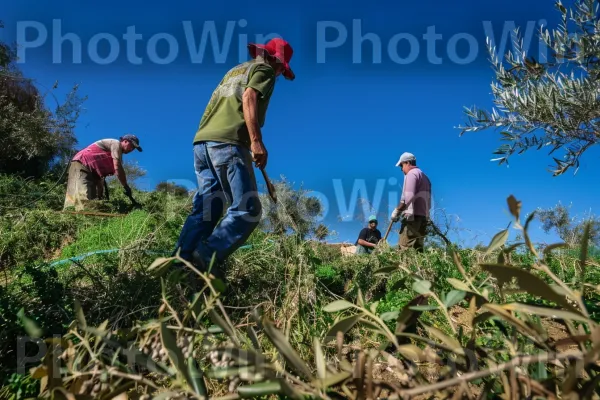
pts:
[264, 174]
[388, 231]
[270, 186]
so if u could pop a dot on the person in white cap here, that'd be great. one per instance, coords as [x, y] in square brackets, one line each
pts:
[414, 206]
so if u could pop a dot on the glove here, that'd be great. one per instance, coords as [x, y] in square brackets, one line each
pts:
[395, 215]
[127, 191]
[106, 196]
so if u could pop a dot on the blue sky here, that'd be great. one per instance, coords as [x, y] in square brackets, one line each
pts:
[345, 119]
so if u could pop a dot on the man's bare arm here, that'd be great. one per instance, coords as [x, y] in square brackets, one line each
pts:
[250, 107]
[365, 243]
[120, 172]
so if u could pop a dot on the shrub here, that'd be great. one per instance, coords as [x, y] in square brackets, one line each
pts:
[32, 137]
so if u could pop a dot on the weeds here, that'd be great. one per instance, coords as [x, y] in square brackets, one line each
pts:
[454, 324]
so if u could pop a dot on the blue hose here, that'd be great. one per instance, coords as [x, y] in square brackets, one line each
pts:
[82, 256]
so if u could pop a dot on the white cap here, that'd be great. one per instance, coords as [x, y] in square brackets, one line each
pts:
[406, 157]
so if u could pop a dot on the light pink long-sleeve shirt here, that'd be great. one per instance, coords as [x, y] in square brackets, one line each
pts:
[416, 193]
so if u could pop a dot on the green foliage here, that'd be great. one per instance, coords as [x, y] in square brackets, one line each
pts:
[133, 171]
[172, 188]
[295, 211]
[32, 137]
[296, 337]
[129, 232]
[6, 53]
[20, 387]
[569, 228]
[18, 194]
[298, 319]
[114, 284]
[551, 104]
[31, 236]
[321, 232]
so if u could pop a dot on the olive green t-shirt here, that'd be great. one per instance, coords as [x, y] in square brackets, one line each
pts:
[223, 119]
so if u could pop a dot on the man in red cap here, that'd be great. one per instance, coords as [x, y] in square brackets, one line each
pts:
[226, 143]
[91, 165]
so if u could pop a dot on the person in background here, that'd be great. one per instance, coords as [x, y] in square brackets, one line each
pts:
[90, 166]
[414, 204]
[368, 238]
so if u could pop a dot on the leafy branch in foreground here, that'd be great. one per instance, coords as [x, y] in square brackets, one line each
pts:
[548, 104]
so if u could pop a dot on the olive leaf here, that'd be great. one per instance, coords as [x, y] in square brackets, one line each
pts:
[490, 310]
[159, 263]
[343, 326]
[514, 206]
[526, 235]
[454, 297]
[458, 284]
[497, 241]
[336, 379]
[32, 329]
[320, 359]
[196, 380]
[424, 308]
[217, 320]
[220, 373]
[445, 339]
[411, 352]
[281, 343]
[407, 316]
[259, 389]
[338, 305]
[584, 253]
[79, 314]
[422, 286]
[388, 316]
[546, 312]
[253, 338]
[386, 270]
[528, 282]
[548, 249]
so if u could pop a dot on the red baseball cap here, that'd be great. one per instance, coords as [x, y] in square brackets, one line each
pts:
[279, 49]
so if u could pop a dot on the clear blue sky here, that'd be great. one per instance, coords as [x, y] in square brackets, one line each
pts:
[339, 120]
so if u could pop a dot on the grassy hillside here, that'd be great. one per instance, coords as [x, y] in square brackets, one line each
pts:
[298, 319]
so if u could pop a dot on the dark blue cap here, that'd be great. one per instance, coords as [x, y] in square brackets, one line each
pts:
[133, 139]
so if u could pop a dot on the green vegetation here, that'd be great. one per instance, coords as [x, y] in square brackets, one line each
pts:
[32, 137]
[410, 323]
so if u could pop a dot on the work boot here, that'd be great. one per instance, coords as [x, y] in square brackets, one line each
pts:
[217, 274]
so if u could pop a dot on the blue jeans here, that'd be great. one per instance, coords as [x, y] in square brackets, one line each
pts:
[225, 176]
[360, 249]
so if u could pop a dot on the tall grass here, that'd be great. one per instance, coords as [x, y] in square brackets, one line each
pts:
[298, 319]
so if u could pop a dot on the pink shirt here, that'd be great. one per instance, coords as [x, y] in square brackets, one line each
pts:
[98, 157]
[417, 192]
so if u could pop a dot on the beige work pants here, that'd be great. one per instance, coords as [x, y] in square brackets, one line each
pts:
[83, 185]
